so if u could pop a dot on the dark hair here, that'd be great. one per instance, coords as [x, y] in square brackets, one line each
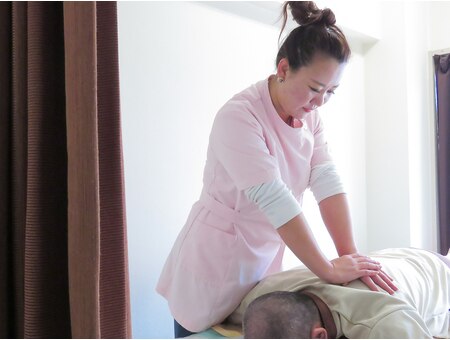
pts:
[317, 33]
[280, 315]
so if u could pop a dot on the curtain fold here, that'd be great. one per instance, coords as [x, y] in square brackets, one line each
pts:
[6, 312]
[83, 176]
[113, 244]
[45, 289]
[442, 81]
[18, 156]
[63, 265]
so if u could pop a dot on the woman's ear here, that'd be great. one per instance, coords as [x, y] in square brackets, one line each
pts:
[318, 332]
[282, 68]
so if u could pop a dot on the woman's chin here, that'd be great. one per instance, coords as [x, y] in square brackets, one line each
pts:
[301, 115]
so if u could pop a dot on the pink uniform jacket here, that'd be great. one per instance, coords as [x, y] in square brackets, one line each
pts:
[227, 245]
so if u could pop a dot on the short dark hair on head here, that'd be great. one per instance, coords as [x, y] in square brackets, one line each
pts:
[317, 34]
[280, 315]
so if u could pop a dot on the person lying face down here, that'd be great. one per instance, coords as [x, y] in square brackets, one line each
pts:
[296, 304]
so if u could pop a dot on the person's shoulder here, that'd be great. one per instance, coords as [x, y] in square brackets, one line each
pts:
[247, 100]
[243, 110]
[375, 318]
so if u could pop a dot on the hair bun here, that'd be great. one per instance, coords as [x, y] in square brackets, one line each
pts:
[307, 13]
[317, 33]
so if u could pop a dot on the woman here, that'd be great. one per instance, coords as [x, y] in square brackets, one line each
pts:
[266, 147]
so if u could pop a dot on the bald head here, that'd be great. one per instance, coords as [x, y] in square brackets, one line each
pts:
[280, 315]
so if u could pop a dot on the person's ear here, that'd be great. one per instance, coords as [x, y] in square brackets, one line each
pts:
[282, 68]
[318, 332]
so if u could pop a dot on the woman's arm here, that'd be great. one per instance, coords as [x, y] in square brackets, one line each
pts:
[299, 238]
[336, 216]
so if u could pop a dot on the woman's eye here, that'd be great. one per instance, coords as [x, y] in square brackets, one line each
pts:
[314, 89]
[331, 91]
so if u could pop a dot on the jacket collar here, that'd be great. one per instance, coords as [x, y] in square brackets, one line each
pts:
[325, 315]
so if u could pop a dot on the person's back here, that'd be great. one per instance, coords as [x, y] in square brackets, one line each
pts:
[424, 281]
[418, 310]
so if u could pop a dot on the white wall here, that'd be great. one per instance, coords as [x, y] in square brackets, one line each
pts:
[420, 126]
[439, 25]
[401, 190]
[360, 19]
[387, 134]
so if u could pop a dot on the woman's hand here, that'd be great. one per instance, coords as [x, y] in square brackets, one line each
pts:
[355, 264]
[351, 267]
[382, 280]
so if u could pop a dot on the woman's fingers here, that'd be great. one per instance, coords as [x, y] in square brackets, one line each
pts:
[367, 280]
[370, 266]
[382, 284]
[382, 280]
[348, 268]
[386, 280]
[366, 263]
[368, 270]
[390, 278]
[365, 259]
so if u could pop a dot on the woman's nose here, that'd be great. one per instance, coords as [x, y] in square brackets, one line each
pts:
[318, 100]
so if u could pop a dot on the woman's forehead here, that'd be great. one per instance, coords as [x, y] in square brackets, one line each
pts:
[322, 72]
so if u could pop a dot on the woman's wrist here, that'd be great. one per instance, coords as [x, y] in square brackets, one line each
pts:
[347, 250]
[327, 272]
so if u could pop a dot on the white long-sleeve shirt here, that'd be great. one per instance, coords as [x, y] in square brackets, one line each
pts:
[279, 205]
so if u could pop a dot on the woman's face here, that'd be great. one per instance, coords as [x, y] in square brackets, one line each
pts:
[307, 88]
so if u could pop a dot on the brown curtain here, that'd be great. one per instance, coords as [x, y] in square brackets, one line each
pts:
[442, 80]
[63, 247]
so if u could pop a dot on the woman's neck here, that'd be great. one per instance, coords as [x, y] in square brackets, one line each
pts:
[273, 91]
